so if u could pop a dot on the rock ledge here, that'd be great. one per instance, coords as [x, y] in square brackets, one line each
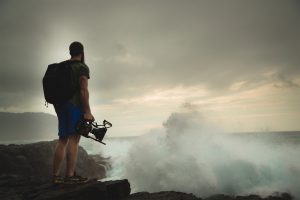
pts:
[26, 188]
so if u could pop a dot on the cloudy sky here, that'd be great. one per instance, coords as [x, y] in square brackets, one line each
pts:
[237, 62]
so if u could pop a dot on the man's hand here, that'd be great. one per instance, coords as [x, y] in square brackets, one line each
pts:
[88, 117]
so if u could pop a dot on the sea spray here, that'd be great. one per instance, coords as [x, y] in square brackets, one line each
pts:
[115, 151]
[193, 156]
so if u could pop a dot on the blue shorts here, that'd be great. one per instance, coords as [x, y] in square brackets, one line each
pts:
[68, 116]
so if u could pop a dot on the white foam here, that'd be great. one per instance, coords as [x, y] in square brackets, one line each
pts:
[194, 157]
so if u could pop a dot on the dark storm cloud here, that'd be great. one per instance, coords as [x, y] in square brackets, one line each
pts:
[135, 46]
[205, 42]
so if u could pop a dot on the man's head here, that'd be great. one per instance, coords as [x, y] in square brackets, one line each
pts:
[76, 50]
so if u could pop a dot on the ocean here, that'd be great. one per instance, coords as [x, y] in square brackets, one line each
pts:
[205, 163]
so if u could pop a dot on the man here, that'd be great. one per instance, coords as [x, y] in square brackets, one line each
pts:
[69, 114]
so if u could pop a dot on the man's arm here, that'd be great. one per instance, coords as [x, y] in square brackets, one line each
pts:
[84, 95]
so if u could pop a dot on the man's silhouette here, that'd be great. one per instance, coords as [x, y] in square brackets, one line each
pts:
[69, 114]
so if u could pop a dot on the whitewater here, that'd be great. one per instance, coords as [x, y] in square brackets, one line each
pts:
[191, 155]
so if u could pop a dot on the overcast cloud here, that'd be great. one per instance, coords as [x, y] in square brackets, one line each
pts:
[136, 47]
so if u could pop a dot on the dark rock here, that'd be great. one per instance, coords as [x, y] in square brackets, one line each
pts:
[28, 188]
[36, 160]
[90, 191]
[283, 196]
[162, 196]
[249, 197]
[219, 196]
[117, 189]
[276, 196]
[182, 196]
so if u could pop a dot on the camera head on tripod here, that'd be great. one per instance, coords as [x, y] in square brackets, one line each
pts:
[84, 128]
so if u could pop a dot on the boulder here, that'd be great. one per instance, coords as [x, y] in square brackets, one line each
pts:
[36, 160]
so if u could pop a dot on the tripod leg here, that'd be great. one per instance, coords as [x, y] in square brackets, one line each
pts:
[96, 140]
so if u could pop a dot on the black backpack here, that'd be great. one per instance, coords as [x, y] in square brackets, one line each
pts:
[58, 82]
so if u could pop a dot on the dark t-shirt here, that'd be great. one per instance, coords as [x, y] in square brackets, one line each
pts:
[78, 69]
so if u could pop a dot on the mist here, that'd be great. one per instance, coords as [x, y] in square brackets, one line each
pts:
[192, 155]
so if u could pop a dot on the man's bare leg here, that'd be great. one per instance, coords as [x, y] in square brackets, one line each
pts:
[72, 150]
[59, 155]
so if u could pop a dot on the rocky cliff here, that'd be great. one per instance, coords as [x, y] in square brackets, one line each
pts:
[36, 159]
